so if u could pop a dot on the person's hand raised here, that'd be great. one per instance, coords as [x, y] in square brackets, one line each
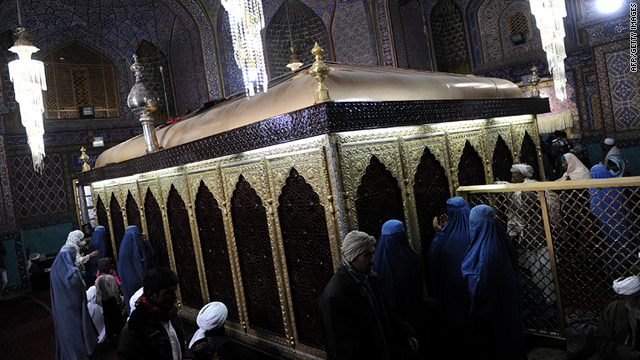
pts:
[440, 221]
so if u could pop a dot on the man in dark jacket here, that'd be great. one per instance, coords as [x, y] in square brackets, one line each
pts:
[358, 321]
[618, 335]
[154, 330]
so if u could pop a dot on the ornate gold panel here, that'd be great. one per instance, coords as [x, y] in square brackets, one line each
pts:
[456, 141]
[491, 133]
[519, 129]
[181, 184]
[253, 168]
[312, 165]
[212, 179]
[412, 150]
[354, 159]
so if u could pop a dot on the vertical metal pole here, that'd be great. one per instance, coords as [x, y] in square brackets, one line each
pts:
[164, 88]
[552, 259]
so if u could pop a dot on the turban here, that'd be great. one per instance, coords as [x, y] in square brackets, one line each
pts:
[211, 316]
[523, 169]
[75, 237]
[609, 141]
[355, 243]
[626, 286]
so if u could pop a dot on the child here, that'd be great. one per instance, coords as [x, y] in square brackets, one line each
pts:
[107, 268]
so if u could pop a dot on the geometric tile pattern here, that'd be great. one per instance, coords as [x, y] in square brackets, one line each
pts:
[589, 14]
[624, 86]
[187, 68]
[416, 41]
[618, 90]
[351, 25]
[294, 23]
[449, 38]
[35, 194]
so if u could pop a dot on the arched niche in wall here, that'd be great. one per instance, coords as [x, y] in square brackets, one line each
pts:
[157, 80]
[294, 22]
[117, 221]
[411, 42]
[155, 228]
[470, 167]
[249, 219]
[215, 253]
[379, 198]
[231, 74]
[529, 154]
[306, 245]
[449, 38]
[104, 221]
[501, 161]
[78, 76]
[183, 250]
[133, 214]
[431, 190]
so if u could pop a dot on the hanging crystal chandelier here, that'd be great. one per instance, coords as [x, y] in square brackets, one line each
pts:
[549, 19]
[246, 20]
[29, 81]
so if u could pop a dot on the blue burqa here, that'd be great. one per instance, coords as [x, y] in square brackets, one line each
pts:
[400, 270]
[98, 242]
[134, 260]
[446, 253]
[76, 336]
[614, 224]
[491, 273]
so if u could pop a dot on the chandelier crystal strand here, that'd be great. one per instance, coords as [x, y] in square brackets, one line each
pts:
[29, 81]
[549, 19]
[246, 20]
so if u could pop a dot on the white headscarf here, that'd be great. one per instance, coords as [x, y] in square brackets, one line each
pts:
[522, 169]
[133, 299]
[626, 286]
[75, 239]
[211, 316]
[575, 169]
[96, 313]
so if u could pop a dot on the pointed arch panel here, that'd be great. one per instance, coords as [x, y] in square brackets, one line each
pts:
[470, 167]
[379, 198]
[183, 250]
[449, 38]
[501, 161]
[215, 252]
[104, 221]
[308, 253]
[249, 218]
[529, 154]
[117, 221]
[155, 227]
[133, 214]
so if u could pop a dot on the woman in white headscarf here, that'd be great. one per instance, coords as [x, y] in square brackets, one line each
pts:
[96, 313]
[75, 239]
[575, 169]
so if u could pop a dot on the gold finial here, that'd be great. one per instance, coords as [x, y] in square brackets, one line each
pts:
[319, 70]
[534, 81]
[84, 157]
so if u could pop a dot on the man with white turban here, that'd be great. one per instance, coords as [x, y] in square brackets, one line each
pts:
[210, 338]
[618, 334]
[521, 173]
[75, 239]
[358, 321]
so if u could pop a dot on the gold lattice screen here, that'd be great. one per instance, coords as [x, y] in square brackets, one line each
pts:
[79, 76]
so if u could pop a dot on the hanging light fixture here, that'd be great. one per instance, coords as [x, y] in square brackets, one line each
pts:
[29, 81]
[246, 20]
[294, 64]
[549, 19]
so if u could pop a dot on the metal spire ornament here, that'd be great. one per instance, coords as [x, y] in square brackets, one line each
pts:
[29, 81]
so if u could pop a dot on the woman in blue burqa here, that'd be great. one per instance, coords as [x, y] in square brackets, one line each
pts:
[134, 260]
[613, 225]
[400, 271]
[76, 336]
[491, 273]
[98, 242]
[446, 253]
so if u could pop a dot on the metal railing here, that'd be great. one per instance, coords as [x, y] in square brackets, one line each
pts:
[573, 238]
